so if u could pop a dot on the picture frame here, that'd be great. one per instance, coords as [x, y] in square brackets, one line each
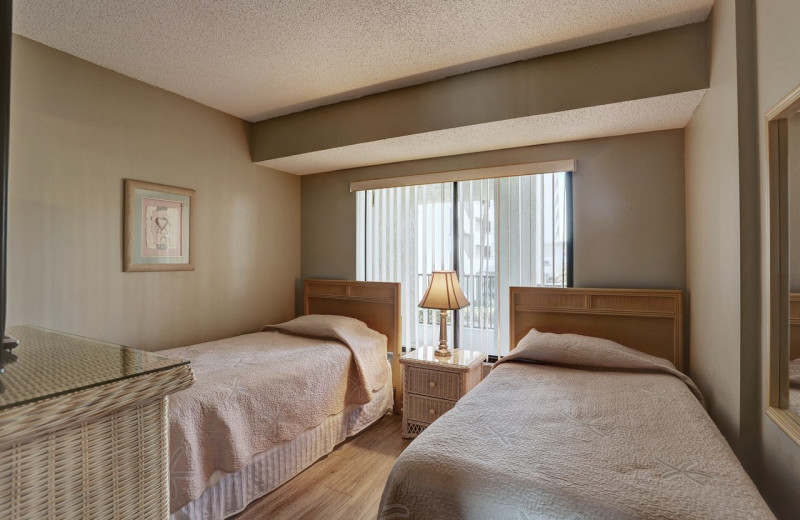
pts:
[158, 227]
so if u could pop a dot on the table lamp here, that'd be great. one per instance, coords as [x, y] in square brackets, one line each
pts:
[444, 294]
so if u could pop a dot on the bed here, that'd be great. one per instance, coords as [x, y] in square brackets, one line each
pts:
[573, 425]
[267, 405]
[794, 353]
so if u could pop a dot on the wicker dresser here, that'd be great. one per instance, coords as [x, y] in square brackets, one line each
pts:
[83, 428]
[432, 385]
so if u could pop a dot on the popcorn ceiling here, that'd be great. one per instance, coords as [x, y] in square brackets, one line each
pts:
[256, 59]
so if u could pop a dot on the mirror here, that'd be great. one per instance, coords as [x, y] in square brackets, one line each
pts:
[793, 186]
[783, 147]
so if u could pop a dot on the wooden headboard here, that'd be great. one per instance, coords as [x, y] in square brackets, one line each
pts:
[794, 325]
[648, 320]
[375, 303]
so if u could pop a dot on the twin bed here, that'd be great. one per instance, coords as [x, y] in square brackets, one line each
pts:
[576, 427]
[566, 426]
[265, 406]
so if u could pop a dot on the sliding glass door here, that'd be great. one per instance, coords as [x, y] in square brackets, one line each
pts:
[494, 232]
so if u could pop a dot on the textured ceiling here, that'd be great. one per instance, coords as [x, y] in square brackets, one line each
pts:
[629, 117]
[261, 58]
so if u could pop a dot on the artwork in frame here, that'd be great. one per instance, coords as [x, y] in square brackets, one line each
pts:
[158, 227]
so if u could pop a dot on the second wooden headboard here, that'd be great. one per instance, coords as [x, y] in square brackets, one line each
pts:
[648, 320]
[794, 326]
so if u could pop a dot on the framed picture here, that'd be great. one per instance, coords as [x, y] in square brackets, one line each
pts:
[158, 228]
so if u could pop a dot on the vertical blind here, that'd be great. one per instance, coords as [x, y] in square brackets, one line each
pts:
[496, 233]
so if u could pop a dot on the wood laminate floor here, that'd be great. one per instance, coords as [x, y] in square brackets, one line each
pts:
[346, 484]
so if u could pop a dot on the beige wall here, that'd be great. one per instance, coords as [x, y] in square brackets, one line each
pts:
[778, 73]
[655, 64]
[628, 217]
[727, 209]
[713, 231]
[78, 130]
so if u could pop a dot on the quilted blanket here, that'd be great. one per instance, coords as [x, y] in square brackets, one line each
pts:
[573, 436]
[256, 390]
[794, 385]
[370, 360]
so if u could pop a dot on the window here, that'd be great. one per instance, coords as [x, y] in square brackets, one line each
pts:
[495, 233]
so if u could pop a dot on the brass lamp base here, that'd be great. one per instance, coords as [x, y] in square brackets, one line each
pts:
[442, 351]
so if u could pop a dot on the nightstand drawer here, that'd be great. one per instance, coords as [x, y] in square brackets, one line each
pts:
[435, 383]
[425, 409]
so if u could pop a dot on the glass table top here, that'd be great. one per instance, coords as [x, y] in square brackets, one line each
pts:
[458, 356]
[48, 363]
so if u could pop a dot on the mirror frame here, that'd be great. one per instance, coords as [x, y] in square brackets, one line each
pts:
[777, 131]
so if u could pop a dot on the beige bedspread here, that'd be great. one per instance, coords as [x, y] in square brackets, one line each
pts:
[794, 373]
[254, 391]
[794, 385]
[555, 441]
[370, 361]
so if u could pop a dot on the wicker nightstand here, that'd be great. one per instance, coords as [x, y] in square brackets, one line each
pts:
[432, 385]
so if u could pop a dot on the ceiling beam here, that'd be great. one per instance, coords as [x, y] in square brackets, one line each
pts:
[656, 64]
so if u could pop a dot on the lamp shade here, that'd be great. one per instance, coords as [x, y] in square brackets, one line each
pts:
[444, 292]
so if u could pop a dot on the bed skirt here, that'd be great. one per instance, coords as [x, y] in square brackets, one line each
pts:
[229, 493]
